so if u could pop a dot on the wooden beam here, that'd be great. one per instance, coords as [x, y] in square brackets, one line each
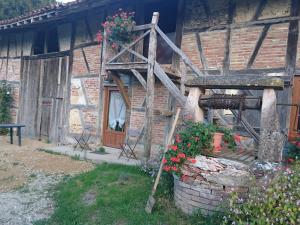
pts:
[178, 32]
[150, 86]
[85, 60]
[163, 77]
[201, 53]
[88, 28]
[140, 78]
[258, 45]
[126, 66]
[261, 6]
[237, 82]
[129, 46]
[116, 78]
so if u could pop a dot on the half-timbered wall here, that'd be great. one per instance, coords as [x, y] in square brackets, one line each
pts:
[225, 37]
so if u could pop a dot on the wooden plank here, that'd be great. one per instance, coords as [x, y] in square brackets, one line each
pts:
[121, 88]
[126, 66]
[142, 27]
[129, 46]
[85, 60]
[236, 82]
[163, 77]
[150, 86]
[178, 32]
[201, 52]
[261, 6]
[257, 46]
[140, 78]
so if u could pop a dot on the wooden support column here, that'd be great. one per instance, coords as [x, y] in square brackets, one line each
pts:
[102, 75]
[150, 86]
[192, 111]
[271, 140]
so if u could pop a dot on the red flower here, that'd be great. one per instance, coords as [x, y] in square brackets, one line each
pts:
[164, 161]
[178, 138]
[174, 159]
[99, 37]
[174, 147]
[189, 145]
[237, 138]
[181, 155]
[191, 160]
[290, 160]
[184, 177]
[174, 168]
[167, 168]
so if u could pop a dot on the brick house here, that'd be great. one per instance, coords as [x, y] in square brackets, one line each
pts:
[52, 60]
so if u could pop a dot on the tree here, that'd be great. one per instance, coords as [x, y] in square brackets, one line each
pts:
[12, 8]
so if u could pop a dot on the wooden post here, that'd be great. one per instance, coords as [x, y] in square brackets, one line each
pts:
[103, 73]
[150, 86]
[192, 111]
[271, 140]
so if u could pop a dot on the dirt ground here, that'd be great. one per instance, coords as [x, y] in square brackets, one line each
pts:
[17, 164]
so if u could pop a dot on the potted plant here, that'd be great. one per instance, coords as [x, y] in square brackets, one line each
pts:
[195, 139]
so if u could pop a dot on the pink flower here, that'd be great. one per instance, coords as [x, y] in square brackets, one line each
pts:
[164, 161]
[181, 155]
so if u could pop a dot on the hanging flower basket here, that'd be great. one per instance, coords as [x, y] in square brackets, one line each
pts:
[118, 28]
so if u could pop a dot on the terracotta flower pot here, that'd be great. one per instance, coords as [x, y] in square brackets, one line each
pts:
[217, 142]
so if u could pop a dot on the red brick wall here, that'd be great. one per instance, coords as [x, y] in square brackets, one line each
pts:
[243, 42]
[273, 50]
[213, 44]
[137, 117]
[190, 48]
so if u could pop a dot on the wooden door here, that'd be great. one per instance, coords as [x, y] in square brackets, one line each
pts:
[295, 111]
[114, 118]
[43, 96]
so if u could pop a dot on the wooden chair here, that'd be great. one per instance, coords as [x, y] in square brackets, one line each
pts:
[128, 147]
[83, 140]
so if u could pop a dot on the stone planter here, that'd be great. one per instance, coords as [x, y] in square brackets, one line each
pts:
[208, 183]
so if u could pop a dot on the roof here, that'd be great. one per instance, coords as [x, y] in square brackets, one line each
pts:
[41, 14]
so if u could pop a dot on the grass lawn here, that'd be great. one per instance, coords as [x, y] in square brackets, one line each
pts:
[116, 195]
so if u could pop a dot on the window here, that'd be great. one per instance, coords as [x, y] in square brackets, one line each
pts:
[46, 42]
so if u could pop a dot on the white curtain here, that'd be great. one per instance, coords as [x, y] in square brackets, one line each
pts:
[117, 111]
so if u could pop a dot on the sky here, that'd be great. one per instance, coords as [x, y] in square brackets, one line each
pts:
[64, 1]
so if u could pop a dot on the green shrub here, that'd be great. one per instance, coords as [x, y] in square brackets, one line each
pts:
[279, 203]
[194, 139]
[5, 105]
[293, 152]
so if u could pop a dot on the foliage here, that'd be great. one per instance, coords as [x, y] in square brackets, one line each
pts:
[195, 139]
[5, 104]
[293, 152]
[277, 204]
[13, 8]
[100, 150]
[118, 28]
[115, 203]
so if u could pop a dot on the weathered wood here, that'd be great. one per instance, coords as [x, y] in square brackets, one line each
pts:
[103, 73]
[250, 102]
[140, 78]
[261, 6]
[236, 82]
[201, 52]
[129, 46]
[257, 46]
[192, 111]
[261, 22]
[150, 86]
[85, 61]
[178, 32]
[126, 66]
[163, 77]
[142, 27]
[121, 87]
[88, 29]
[183, 78]
[271, 140]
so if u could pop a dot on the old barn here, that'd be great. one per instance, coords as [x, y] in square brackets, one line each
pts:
[64, 81]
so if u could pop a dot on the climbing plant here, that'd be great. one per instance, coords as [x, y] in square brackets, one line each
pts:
[6, 100]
